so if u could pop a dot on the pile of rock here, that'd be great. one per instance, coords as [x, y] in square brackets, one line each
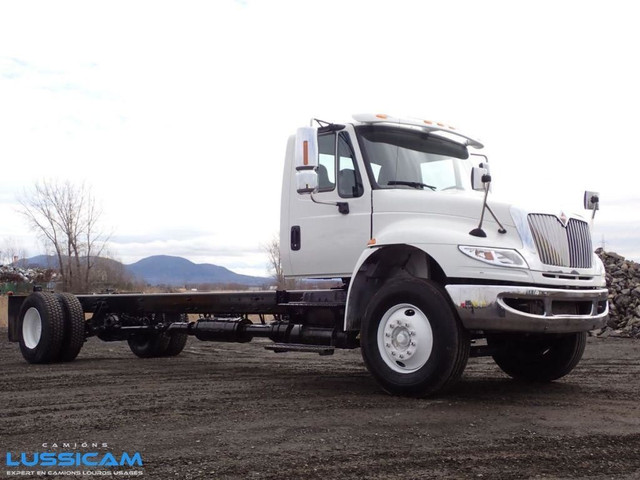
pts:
[623, 282]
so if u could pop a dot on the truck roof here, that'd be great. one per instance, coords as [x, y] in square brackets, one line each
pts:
[426, 125]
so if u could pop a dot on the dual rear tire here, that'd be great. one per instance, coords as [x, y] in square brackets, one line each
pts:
[52, 327]
[159, 344]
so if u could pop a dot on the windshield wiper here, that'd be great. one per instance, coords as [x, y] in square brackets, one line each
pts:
[410, 184]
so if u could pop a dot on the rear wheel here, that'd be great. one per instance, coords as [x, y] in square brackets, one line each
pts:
[412, 342]
[148, 345]
[41, 327]
[538, 358]
[74, 334]
[177, 341]
[176, 344]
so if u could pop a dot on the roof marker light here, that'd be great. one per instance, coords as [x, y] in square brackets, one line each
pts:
[428, 125]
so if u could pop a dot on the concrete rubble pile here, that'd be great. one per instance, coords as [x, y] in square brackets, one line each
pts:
[623, 282]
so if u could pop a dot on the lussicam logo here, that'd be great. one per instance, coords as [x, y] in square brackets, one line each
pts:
[73, 459]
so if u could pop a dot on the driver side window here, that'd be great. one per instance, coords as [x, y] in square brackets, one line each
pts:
[335, 154]
[326, 162]
[349, 180]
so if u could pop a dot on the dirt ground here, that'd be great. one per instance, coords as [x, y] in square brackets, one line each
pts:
[3, 311]
[236, 411]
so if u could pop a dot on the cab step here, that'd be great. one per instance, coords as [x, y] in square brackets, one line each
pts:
[295, 347]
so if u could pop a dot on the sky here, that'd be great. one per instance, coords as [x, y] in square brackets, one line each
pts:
[177, 113]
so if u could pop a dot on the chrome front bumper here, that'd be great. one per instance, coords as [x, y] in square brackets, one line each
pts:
[529, 309]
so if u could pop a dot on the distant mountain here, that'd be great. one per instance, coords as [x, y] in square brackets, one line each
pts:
[167, 270]
[40, 261]
[51, 261]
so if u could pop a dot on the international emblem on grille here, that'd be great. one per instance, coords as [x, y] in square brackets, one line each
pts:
[563, 218]
[561, 242]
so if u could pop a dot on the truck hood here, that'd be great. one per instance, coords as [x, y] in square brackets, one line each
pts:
[438, 221]
[450, 203]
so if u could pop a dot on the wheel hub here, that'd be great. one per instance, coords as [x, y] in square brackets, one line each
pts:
[31, 328]
[405, 338]
[400, 345]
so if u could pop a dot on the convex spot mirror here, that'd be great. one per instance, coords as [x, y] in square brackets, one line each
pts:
[479, 176]
[306, 181]
[591, 200]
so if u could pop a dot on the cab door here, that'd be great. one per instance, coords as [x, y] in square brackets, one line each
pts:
[326, 243]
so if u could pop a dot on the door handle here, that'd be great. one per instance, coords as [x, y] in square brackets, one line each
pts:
[295, 238]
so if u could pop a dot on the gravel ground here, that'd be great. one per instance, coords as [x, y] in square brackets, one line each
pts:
[236, 411]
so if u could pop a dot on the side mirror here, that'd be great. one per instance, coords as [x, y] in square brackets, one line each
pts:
[306, 159]
[479, 176]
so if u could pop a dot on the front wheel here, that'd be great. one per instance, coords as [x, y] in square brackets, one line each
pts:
[538, 358]
[412, 342]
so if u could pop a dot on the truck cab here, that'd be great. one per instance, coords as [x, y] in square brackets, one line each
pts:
[395, 204]
[380, 172]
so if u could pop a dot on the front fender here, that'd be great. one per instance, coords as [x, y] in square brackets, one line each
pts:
[439, 237]
[355, 286]
[435, 237]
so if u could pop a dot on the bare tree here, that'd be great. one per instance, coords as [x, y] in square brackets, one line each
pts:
[272, 250]
[67, 218]
[11, 252]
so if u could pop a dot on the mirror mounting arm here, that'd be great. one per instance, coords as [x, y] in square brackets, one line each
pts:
[343, 207]
[479, 232]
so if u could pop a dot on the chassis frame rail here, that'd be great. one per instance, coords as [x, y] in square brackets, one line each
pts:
[272, 302]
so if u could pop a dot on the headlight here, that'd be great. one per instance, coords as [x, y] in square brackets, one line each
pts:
[495, 256]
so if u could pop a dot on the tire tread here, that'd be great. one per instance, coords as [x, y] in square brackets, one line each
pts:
[74, 335]
[52, 318]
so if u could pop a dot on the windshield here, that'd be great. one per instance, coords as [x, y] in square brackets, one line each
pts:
[411, 158]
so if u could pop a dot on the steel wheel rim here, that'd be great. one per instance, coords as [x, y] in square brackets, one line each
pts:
[31, 328]
[405, 338]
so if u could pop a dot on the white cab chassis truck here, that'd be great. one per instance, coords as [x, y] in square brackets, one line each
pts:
[432, 271]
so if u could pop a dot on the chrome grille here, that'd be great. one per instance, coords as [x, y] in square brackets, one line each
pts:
[560, 246]
[580, 247]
